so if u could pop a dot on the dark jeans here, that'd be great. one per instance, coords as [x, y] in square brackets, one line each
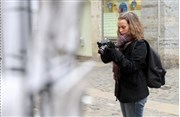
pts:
[133, 109]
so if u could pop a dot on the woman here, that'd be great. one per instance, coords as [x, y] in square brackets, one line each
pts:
[128, 65]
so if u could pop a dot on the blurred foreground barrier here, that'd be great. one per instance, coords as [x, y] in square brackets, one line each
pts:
[42, 65]
[16, 35]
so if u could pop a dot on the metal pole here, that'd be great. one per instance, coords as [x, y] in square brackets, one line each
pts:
[159, 24]
[102, 13]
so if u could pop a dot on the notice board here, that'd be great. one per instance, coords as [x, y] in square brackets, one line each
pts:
[112, 9]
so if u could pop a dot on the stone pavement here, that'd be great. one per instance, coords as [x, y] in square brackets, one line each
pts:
[163, 102]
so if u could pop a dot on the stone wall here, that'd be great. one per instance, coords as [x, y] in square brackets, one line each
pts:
[168, 42]
[171, 33]
[96, 21]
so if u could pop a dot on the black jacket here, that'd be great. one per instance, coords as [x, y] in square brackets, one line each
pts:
[131, 86]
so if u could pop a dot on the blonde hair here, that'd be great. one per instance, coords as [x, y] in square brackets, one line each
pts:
[135, 27]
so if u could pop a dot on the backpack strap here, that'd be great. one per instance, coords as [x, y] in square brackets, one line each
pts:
[133, 47]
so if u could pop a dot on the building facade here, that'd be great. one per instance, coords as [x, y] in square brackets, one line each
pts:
[159, 18]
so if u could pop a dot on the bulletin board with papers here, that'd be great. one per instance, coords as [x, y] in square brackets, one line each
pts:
[112, 10]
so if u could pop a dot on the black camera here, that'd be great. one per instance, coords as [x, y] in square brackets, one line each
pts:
[103, 44]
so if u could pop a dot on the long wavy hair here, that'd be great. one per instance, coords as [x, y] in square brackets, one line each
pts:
[135, 27]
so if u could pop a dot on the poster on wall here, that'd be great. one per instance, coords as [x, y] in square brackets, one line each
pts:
[111, 11]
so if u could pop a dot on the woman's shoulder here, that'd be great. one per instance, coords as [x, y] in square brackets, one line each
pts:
[141, 41]
[139, 44]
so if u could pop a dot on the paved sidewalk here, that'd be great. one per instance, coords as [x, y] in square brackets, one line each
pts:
[163, 102]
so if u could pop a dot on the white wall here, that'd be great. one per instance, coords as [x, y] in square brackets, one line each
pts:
[85, 47]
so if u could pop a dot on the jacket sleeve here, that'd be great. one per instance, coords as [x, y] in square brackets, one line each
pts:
[136, 61]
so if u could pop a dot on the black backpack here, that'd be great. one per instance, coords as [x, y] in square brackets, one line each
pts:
[155, 73]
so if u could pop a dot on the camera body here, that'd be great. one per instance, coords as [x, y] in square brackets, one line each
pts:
[103, 44]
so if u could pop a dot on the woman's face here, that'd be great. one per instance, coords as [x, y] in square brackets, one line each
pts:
[123, 27]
